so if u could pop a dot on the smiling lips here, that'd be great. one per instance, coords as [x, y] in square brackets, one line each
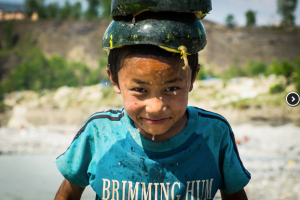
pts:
[156, 122]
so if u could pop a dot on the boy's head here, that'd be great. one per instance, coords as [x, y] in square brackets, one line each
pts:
[117, 56]
[154, 87]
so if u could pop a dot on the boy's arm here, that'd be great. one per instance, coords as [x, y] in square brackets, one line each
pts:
[68, 191]
[240, 195]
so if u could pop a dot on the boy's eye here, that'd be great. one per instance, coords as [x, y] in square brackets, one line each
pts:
[139, 90]
[172, 89]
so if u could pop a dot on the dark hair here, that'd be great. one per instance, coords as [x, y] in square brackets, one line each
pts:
[117, 55]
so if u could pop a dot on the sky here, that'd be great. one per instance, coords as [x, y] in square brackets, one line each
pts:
[265, 10]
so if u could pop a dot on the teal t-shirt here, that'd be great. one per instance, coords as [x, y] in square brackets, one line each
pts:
[119, 163]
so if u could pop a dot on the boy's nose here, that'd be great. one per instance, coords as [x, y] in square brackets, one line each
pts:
[154, 105]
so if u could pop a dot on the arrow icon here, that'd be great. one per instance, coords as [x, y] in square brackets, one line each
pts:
[293, 99]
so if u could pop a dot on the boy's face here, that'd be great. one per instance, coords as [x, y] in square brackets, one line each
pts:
[155, 94]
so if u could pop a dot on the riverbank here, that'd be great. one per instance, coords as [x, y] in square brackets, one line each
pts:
[270, 154]
[239, 100]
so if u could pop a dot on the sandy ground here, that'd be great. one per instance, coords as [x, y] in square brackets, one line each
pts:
[270, 154]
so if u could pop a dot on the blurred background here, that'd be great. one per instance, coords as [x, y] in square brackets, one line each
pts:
[52, 78]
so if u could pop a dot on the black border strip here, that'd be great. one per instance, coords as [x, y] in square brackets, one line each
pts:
[92, 118]
[98, 117]
[111, 111]
[231, 136]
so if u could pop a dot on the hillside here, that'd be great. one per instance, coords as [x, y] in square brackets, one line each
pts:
[81, 41]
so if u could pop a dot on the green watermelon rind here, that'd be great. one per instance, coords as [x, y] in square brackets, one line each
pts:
[134, 7]
[166, 33]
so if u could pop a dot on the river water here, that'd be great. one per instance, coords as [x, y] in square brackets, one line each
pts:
[31, 177]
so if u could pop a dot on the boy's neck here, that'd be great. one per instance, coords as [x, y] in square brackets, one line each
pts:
[172, 132]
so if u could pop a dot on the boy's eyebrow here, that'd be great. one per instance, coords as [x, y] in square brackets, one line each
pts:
[140, 81]
[177, 79]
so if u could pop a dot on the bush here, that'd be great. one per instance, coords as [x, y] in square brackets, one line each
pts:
[296, 78]
[277, 88]
[234, 71]
[284, 68]
[256, 68]
[203, 74]
[8, 34]
[40, 73]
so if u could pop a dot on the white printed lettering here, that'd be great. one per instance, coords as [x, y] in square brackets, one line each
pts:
[155, 184]
[123, 189]
[146, 193]
[173, 188]
[166, 193]
[191, 191]
[131, 193]
[208, 189]
[105, 189]
[115, 189]
[203, 182]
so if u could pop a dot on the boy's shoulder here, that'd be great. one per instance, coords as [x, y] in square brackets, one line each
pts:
[210, 121]
[98, 120]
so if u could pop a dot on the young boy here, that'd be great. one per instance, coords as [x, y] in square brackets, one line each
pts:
[155, 147]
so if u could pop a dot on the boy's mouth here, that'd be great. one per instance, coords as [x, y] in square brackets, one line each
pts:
[156, 121]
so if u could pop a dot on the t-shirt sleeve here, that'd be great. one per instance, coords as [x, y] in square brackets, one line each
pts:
[74, 164]
[235, 176]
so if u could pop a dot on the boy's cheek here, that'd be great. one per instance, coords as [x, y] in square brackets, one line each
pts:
[130, 105]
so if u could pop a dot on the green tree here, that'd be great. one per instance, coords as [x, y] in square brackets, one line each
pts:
[66, 11]
[230, 21]
[250, 18]
[296, 78]
[284, 68]
[8, 34]
[76, 10]
[256, 68]
[105, 8]
[53, 10]
[93, 7]
[37, 6]
[286, 9]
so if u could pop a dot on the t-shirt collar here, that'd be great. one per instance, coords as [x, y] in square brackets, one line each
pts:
[165, 145]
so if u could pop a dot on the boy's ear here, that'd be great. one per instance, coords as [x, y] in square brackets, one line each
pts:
[112, 80]
[195, 76]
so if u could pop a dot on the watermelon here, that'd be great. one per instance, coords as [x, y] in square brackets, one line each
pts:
[135, 7]
[169, 34]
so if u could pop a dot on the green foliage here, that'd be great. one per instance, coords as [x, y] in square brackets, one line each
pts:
[203, 73]
[92, 11]
[71, 11]
[95, 9]
[250, 18]
[66, 11]
[230, 21]
[284, 68]
[296, 78]
[53, 11]
[105, 8]
[38, 6]
[256, 68]
[286, 9]
[8, 34]
[235, 71]
[277, 88]
[37, 72]
[76, 10]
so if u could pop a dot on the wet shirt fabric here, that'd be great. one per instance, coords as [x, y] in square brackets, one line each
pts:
[119, 163]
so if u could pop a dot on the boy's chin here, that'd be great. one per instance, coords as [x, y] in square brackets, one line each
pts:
[156, 130]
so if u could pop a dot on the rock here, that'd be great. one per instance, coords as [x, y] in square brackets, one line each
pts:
[18, 118]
